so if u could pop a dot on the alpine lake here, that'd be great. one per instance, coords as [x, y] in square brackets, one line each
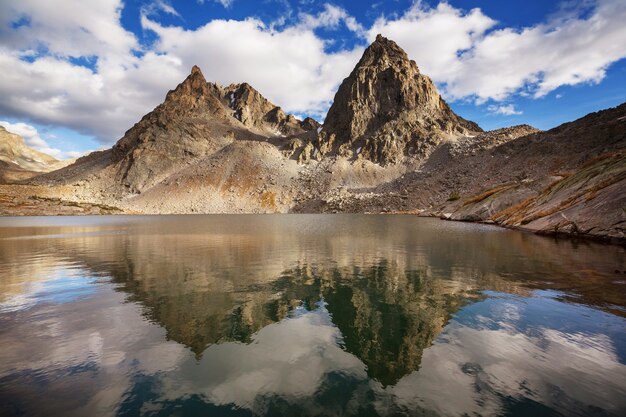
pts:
[306, 315]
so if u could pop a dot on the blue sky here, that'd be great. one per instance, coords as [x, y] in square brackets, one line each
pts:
[79, 74]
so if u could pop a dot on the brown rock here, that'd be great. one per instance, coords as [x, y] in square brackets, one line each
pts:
[386, 108]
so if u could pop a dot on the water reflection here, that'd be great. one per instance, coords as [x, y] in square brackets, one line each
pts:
[306, 315]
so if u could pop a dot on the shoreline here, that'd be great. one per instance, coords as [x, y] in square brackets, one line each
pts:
[607, 240]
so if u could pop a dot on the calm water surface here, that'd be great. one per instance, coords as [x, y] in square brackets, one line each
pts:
[298, 315]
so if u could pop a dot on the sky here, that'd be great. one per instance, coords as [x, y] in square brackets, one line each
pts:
[77, 74]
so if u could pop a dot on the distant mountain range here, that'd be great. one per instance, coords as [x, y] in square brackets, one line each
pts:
[390, 143]
[18, 161]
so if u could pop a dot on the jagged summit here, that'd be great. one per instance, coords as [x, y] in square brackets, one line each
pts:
[383, 48]
[196, 119]
[257, 113]
[386, 109]
[195, 93]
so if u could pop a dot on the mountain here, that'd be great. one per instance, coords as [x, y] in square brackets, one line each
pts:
[196, 120]
[387, 109]
[204, 137]
[570, 179]
[18, 161]
[389, 143]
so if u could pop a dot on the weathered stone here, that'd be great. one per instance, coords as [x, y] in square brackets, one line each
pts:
[388, 108]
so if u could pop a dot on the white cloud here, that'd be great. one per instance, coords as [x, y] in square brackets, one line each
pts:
[33, 140]
[505, 109]
[463, 51]
[331, 17]
[434, 37]
[225, 3]
[159, 5]
[66, 27]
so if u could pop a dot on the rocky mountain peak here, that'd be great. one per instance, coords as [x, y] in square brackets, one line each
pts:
[386, 110]
[196, 119]
[195, 92]
[383, 52]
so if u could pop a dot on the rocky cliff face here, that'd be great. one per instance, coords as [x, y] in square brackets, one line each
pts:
[189, 124]
[567, 180]
[257, 113]
[387, 109]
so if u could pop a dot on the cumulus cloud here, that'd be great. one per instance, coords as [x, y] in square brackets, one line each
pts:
[83, 70]
[505, 109]
[461, 52]
[433, 37]
[65, 28]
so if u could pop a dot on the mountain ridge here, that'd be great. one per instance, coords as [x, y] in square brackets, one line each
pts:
[390, 143]
[19, 162]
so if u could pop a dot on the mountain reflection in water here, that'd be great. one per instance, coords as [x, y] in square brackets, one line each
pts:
[306, 315]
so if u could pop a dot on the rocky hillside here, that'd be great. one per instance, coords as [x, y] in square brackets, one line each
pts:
[570, 179]
[18, 161]
[197, 121]
[390, 143]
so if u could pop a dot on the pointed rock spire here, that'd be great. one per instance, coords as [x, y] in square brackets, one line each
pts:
[194, 85]
[196, 70]
[387, 109]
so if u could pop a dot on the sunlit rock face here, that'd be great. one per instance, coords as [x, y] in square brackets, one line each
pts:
[387, 109]
[197, 119]
[19, 161]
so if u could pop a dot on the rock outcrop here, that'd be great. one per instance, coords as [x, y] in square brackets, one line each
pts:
[387, 109]
[567, 180]
[257, 113]
[191, 123]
